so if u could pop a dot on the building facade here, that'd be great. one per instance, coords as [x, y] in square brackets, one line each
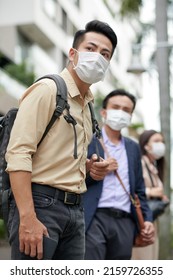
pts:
[40, 33]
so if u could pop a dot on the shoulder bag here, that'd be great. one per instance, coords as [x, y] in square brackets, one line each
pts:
[157, 205]
[138, 242]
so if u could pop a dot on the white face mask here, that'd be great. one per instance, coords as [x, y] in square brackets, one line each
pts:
[158, 149]
[91, 67]
[117, 119]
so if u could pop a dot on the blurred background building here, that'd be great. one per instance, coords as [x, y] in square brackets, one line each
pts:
[39, 34]
[35, 37]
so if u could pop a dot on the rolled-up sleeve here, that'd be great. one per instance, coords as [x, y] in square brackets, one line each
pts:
[35, 111]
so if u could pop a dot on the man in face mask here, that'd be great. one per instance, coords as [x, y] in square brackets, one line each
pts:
[91, 54]
[48, 182]
[110, 224]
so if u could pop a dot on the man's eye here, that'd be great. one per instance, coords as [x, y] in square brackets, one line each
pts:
[127, 111]
[106, 56]
[89, 49]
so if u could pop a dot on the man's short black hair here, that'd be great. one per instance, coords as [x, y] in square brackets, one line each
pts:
[118, 92]
[98, 27]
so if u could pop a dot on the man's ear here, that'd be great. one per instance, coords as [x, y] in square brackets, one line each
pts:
[72, 54]
[103, 113]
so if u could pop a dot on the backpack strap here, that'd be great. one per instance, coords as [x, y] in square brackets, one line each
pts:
[61, 100]
[95, 126]
[96, 129]
[61, 105]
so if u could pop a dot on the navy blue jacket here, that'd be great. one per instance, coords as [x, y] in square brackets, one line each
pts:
[94, 188]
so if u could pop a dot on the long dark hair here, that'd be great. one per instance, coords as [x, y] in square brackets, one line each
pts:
[143, 140]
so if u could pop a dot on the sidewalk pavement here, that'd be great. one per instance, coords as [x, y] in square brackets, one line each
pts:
[4, 250]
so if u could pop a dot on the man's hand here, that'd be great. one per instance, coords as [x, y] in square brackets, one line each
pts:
[97, 169]
[113, 164]
[31, 232]
[148, 233]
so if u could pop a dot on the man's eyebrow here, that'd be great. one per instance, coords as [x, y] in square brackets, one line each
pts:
[95, 45]
[118, 105]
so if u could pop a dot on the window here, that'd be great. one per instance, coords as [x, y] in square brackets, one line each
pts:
[22, 48]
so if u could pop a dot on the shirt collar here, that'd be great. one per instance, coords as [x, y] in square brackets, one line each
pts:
[72, 88]
[107, 141]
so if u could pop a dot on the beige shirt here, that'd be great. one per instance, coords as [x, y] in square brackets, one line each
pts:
[53, 163]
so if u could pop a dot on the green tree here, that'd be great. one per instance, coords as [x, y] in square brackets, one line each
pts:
[130, 7]
[20, 72]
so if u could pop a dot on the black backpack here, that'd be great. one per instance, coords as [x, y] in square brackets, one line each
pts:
[6, 124]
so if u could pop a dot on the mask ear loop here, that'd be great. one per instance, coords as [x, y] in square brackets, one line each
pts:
[74, 66]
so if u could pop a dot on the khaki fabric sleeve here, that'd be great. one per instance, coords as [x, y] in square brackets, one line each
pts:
[35, 111]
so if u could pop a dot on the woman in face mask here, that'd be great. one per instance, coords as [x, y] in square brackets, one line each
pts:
[153, 162]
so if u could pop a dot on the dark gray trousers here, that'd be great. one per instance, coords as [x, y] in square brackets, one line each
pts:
[109, 238]
[65, 224]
